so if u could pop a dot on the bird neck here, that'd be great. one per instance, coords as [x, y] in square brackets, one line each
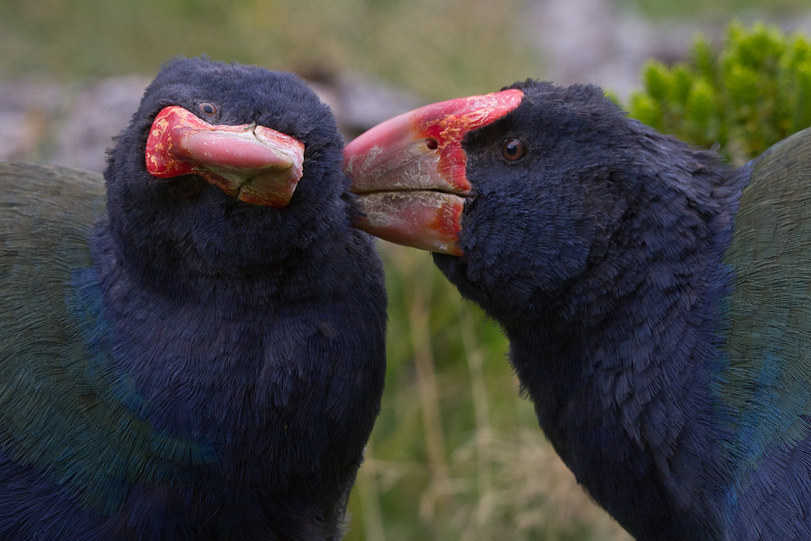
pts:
[623, 380]
[251, 270]
[169, 299]
[191, 365]
[210, 243]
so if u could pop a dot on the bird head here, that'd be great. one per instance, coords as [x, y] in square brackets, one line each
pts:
[512, 191]
[225, 162]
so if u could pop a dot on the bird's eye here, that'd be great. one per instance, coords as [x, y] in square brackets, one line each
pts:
[513, 149]
[208, 109]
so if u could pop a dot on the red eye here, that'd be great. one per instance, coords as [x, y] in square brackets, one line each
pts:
[513, 149]
[208, 109]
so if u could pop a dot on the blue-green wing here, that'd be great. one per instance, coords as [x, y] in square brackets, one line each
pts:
[768, 381]
[64, 410]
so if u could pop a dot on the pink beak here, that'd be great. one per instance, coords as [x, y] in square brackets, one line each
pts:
[410, 171]
[256, 164]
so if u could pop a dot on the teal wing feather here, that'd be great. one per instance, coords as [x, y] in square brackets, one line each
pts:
[768, 381]
[64, 409]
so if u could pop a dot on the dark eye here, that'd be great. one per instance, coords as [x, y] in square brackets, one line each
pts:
[208, 109]
[513, 149]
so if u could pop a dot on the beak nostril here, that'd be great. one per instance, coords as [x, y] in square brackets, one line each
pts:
[431, 144]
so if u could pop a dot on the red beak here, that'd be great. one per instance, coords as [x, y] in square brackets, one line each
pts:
[409, 171]
[253, 163]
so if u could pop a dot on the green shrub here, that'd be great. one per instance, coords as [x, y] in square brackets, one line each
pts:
[753, 93]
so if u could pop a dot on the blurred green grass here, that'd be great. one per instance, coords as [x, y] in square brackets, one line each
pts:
[435, 48]
[720, 10]
[456, 454]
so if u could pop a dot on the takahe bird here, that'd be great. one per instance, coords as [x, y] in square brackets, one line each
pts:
[658, 303]
[200, 353]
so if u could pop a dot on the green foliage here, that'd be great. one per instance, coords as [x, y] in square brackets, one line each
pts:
[753, 93]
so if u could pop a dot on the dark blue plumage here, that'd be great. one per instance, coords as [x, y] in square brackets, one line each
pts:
[658, 304]
[176, 363]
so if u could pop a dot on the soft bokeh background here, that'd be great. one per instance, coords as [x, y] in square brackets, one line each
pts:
[456, 452]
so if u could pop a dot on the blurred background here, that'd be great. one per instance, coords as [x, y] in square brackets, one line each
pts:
[456, 453]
